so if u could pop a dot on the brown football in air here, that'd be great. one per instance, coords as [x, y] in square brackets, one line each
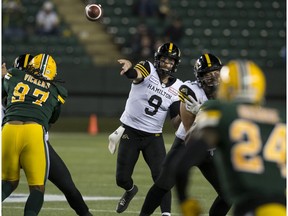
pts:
[93, 12]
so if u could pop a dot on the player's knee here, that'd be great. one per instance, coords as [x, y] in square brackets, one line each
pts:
[40, 188]
[123, 182]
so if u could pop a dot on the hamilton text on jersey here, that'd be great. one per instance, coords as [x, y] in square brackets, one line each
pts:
[159, 91]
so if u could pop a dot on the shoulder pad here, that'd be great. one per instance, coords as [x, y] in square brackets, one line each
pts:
[184, 92]
[143, 67]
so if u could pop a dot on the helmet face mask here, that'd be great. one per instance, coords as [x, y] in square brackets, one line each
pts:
[242, 80]
[210, 79]
[209, 83]
[163, 59]
[207, 72]
[22, 61]
[44, 66]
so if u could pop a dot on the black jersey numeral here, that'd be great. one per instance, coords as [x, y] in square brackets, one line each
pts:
[154, 102]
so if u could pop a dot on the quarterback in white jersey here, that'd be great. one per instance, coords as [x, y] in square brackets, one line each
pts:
[149, 101]
[192, 95]
[153, 94]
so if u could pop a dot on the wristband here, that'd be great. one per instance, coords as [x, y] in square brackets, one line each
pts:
[131, 73]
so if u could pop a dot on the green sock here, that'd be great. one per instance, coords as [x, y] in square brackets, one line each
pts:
[34, 203]
[7, 189]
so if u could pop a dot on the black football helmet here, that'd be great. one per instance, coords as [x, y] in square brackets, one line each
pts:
[207, 72]
[169, 50]
[22, 61]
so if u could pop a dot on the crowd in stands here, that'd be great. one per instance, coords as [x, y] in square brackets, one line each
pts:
[145, 41]
[15, 23]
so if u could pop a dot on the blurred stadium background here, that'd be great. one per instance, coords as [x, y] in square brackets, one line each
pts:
[86, 52]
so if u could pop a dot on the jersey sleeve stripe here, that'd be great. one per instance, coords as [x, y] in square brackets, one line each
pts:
[181, 96]
[208, 119]
[8, 76]
[142, 69]
[61, 99]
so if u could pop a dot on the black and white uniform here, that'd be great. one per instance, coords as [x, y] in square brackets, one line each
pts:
[145, 112]
[166, 179]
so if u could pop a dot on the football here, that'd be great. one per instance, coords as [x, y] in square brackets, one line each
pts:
[93, 12]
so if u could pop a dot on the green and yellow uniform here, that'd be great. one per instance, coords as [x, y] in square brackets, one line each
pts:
[32, 104]
[250, 155]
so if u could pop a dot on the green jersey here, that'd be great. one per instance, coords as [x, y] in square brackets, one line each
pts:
[251, 151]
[31, 99]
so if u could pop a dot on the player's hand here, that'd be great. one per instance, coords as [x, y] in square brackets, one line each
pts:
[4, 69]
[126, 65]
[190, 207]
[192, 105]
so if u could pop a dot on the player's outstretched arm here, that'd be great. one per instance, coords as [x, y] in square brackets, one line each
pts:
[128, 71]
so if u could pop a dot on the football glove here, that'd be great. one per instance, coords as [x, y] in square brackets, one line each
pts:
[190, 207]
[192, 105]
[114, 139]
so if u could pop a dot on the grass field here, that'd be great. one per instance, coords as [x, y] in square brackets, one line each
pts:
[93, 170]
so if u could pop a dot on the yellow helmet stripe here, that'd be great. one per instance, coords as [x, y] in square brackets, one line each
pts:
[26, 60]
[44, 63]
[170, 47]
[209, 64]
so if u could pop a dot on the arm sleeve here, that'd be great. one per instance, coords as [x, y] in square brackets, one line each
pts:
[55, 114]
[174, 109]
[4, 93]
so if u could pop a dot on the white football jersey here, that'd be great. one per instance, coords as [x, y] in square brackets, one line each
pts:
[200, 94]
[149, 101]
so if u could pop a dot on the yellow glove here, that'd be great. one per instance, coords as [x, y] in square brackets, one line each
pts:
[190, 207]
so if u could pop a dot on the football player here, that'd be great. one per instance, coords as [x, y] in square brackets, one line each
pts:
[153, 94]
[59, 174]
[206, 70]
[33, 99]
[250, 140]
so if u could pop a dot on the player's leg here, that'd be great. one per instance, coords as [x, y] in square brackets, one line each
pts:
[35, 200]
[220, 206]
[35, 162]
[154, 155]
[165, 181]
[10, 160]
[128, 154]
[185, 163]
[60, 176]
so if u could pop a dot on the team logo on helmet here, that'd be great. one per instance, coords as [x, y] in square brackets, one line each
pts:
[43, 65]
